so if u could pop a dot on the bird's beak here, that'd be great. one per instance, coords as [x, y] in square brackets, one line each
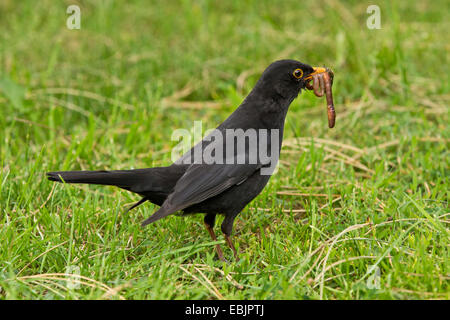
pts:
[317, 70]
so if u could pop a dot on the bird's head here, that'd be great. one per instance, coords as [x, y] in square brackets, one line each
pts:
[286, 78]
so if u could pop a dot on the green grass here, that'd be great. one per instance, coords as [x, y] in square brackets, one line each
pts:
[370, 195]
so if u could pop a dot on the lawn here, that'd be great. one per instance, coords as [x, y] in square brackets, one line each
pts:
[355, 212]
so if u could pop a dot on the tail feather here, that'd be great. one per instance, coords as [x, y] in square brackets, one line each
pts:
[153, 184]
[125, 179]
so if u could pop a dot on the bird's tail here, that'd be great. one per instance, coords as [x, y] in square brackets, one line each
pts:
[125, 179]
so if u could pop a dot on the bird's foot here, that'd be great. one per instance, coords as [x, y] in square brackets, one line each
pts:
[230, 244]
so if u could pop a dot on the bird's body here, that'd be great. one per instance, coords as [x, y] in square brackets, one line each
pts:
[223, 187]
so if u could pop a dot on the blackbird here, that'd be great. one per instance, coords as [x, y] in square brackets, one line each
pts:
[237, 174]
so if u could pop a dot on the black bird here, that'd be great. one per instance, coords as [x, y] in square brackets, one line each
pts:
[221, 187]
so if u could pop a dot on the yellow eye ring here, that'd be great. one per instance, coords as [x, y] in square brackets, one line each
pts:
[298, 73]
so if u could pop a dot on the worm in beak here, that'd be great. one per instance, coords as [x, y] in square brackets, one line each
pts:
[322, 81]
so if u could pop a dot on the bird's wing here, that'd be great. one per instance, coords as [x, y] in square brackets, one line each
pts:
[201, 182]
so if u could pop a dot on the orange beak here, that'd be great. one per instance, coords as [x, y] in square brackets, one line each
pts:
[317, 70]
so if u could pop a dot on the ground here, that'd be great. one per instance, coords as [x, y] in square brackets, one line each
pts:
[355, 212]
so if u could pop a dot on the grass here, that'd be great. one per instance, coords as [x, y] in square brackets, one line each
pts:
[368, 197]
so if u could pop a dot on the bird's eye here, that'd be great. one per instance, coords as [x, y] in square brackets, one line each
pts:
[298, 73]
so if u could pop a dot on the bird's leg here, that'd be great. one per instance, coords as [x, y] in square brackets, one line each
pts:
[230, 244]
[227, 228]
[209, 220]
